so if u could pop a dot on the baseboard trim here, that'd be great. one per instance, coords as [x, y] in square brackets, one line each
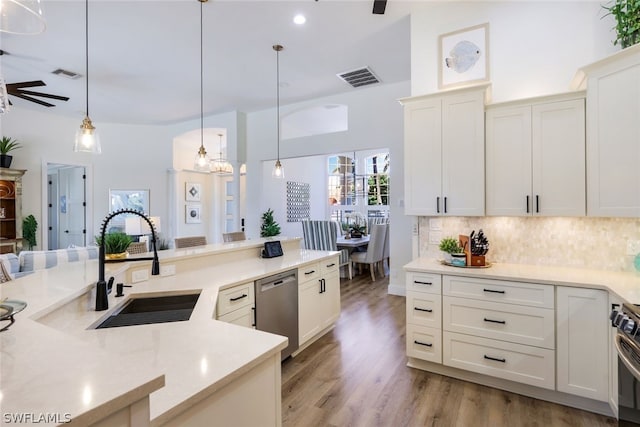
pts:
[399, 290]
[578, 402]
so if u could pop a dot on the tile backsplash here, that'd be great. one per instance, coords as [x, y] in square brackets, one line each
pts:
[600, 243]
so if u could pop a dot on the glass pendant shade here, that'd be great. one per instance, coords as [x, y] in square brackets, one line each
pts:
[278, 171]
[221, 165]
[87, 138]
[201, 162]
[21, 17]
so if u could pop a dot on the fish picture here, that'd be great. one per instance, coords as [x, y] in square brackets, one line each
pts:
[463, 56]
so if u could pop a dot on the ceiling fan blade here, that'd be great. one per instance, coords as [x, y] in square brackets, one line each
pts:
[34, 83]
[379, 6]
[37, 101]
[43, 95]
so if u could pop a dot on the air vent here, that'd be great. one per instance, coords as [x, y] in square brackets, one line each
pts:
[65, 73]
[360, 77]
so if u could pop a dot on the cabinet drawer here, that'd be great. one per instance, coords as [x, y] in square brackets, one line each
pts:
[515, 362]
[424, 282]
[243, 316]
[532, 294]
[329, 266]
[424, 309]
[309, 272]
[507, 322]
[424, 343]
[234, 298]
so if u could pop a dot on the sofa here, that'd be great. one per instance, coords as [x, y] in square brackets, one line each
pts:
[29, 261]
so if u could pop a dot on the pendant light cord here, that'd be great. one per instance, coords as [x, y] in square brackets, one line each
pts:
[201, 82]
[278, 97]
[86, 52]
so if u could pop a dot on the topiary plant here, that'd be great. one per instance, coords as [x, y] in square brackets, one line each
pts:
[450, 245]
[269, 226]
[627, 14]
[29, 228]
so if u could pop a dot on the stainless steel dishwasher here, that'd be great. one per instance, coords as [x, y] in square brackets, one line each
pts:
[277, 307]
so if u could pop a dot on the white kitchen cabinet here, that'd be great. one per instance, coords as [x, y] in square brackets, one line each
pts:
[237, 305]
[318, 298]
[444, 153]
[582, 342]
[614, 303]
[613, 134]
[424, 316]
[535, 154]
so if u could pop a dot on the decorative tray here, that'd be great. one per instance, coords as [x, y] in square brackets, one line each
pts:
[443, 262]
[8, 308]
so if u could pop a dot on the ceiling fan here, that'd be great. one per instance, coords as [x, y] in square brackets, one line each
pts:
[21, 90]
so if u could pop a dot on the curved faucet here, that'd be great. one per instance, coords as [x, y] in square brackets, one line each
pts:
[102, 303]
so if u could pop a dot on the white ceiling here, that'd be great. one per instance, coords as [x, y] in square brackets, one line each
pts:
[144, 56]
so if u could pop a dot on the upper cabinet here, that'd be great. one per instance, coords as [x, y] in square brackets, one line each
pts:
[444, 153]
[613, 133]
[535, 154]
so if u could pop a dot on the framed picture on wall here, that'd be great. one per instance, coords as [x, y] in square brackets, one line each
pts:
[192, 192]
[192, 214]
[463, 57]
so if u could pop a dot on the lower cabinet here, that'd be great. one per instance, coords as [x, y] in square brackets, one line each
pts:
[583, 342]
[318, 298]
[237, 305]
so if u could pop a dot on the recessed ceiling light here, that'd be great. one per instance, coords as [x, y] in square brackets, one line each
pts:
[299, 19]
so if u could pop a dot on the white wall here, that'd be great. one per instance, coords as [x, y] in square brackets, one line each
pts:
[375, 121]
[535, 47]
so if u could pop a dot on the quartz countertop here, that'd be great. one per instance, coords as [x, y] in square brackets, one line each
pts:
[625, 285]
[53, 362]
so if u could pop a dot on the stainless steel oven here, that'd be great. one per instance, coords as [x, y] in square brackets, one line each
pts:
[627, 341]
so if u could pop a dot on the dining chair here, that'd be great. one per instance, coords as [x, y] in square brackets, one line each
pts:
[137, 248]
[323, 236]
[375, 250]
[187, 242]
[234, 236]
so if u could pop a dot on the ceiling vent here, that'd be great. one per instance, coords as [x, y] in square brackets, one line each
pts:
[65, 73]
[360, 77]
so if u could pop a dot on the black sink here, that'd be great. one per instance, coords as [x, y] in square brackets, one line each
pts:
[144, 311]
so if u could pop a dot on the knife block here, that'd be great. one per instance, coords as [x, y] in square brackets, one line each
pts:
[476, 261]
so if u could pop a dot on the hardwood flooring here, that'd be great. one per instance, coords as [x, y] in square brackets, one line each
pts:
[356, 375]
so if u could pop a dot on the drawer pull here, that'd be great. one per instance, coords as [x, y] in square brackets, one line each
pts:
[493, 291]
[310, 272]
[331, 265]
[502, 322]
[238, 298]
[422, 343]
[495, 359]
[422, 283]
[428, 310]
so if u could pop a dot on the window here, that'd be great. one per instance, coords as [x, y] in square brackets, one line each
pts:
[341, 174]
[377, 178]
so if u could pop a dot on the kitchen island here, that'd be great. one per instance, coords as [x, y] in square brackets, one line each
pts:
[55, 365]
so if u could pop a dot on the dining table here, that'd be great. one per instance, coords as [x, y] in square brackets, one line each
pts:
[352, 242]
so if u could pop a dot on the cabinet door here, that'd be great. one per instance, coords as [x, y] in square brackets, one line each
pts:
[463, 154]
[331, 299]
[559, 158]
[423, 157]
[613, 152]
[309, 310]
[509, 161]
[582, 342]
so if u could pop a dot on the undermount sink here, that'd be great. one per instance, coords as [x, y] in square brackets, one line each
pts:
[147, 310]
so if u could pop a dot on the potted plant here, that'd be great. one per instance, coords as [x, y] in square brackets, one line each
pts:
[6, 145]
[450, 246]
[269, 226]
[29, 228]
[627, 15]
[357, 224]
[115, 245]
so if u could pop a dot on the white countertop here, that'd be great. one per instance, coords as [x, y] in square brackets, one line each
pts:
[51, 363]
[625, 285]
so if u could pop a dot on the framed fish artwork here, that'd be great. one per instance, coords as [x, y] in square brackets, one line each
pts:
[463, 57]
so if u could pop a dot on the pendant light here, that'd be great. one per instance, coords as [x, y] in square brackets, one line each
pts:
[278, 172]
[221, 166]
[87, 138]
[202, 160]
[21, 17]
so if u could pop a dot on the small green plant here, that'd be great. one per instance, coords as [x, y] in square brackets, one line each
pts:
[8, 144]
[627, 14]
[450, 245]
[269, 226]
[114, 243]
[29, 228]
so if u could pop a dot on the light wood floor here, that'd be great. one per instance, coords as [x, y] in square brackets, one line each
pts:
[356, 375]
